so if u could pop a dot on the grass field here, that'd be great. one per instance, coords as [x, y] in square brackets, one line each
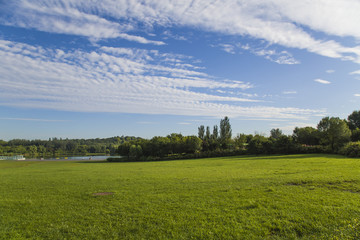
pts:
[247, 197]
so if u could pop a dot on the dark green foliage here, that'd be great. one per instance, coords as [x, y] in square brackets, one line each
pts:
[354, 120]
[160, 147]
[311, 149]
[260, 145]
[331, 134]
[334, 132]
[192, 144]
[135, 152]
[351, 149]
[276, 133]
[225, 133]
[355, 135]
[240, 141]
[201, 132]
[283, 145]
[116, 159]
[215, 134]
[306, 135]
[55, 147]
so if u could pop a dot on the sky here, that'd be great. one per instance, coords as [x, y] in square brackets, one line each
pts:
[96, 69]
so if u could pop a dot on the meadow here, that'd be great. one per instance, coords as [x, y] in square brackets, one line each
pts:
[245, 197]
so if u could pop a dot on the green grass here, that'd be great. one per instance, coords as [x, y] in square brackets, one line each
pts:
[247, 197]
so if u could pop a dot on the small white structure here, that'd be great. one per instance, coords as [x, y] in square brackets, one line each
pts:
[16, 157]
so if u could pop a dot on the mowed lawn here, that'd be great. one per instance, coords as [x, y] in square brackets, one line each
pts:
[246, 197]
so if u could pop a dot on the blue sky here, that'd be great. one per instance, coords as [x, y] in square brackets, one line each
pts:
[87, 69]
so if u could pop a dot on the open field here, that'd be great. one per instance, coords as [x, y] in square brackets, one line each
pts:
[247, 197]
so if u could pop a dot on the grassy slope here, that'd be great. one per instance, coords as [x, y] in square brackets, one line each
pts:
[275, 197]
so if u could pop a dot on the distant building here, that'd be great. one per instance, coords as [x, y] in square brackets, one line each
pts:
[16, 157]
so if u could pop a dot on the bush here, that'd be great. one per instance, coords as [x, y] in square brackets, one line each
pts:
[117, 159]
[312, 149]
[351, 149]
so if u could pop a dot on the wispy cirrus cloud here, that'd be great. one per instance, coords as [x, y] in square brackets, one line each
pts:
[276, 21]
[31, 119]
[289, 92]
[54, 17]
[282, 57]
[122, 80]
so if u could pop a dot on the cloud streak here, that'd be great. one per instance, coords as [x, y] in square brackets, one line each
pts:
[279, 22]
[31, 119]
[124, 80]
[322, 81]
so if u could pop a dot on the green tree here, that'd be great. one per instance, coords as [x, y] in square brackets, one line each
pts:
[135, 152]
[275, 133]
[201, 132]
[215, 134]
[192, 144]
[225, 132]
[176, 143]
[259, 145]
[354, 120]
[355, 135]
[306, 135]
[240, 141]
[124, 149]
[283, 144]
[208, 133]
[334, 132]
[32, 150]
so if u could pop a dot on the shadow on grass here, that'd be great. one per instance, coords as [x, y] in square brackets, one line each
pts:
[95, 161]
[235, 158]
[292, 156]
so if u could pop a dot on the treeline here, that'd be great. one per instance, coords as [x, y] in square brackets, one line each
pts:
[177, 146]
[332, 135]
[57, 147]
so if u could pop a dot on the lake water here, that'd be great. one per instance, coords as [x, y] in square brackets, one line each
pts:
[77, 158]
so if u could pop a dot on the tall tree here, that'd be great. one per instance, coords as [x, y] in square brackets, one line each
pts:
[225, 132]
[275, 133]
[208, 133]
[201, 132]
[334, 132]
[215, 134]
[354, 120]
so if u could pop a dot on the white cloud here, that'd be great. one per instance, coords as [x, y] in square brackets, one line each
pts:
[228, 48]
[184, 123]
[330, 71]
[275, 21]
[52, 17]
[272, 55]
[121, 80]
[355, 72]
[357, 95]
[289, 127]
[322, 81]
[289, 92]
[31, 119]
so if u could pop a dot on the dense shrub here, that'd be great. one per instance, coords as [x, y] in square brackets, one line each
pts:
[302, 148]
[260, 145]
[117, 159]
[351, 149]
